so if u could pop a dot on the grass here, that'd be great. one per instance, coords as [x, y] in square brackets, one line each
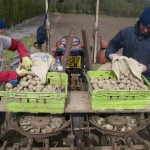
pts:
[8, 55]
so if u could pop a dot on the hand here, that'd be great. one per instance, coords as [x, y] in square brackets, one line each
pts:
[113, 56]
[22, 72]
[27, 63]
[142, 67]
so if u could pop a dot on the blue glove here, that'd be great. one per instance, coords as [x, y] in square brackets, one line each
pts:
[13, 82]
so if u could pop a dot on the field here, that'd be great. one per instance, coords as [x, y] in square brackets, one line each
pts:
[62, 23]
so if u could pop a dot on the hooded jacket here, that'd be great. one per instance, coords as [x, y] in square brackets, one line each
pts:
[134, 44]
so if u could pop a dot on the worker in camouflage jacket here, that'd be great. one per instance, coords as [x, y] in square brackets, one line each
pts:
[12, 44]
[135, 41]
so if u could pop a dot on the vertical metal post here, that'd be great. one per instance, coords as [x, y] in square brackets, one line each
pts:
[29, 146]
[48, 28]
[96, 30]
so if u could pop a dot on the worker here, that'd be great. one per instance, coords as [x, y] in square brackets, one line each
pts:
[12, 44]
[135, 41]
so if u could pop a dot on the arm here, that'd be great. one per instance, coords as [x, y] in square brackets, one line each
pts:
[8, 75]
[13, 45]
[19, 46]
[115, 44]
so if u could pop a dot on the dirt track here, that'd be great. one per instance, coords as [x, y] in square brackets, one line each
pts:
[62, 23]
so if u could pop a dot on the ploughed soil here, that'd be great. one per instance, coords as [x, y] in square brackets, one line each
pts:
[61, 24]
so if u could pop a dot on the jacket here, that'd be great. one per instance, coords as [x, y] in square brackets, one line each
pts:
[10, 44]
[134, 44]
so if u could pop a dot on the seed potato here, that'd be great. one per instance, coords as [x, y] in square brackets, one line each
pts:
[127, 82]
[32, 83]
[8, 85]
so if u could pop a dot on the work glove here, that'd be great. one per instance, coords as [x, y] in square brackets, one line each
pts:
[112, 57]
[26, 62]
[22, 72]
[142, 67]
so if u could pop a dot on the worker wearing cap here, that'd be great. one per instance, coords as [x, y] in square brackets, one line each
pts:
[135, 41]
[12, 44]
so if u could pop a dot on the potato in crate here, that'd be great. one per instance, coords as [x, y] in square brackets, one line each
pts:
[106, 92]
[34, 97]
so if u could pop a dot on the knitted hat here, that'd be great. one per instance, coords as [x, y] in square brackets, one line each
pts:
[2, 24]
[145, 17]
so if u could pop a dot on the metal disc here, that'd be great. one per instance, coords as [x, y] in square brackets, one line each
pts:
[116, 120]
[40, 122]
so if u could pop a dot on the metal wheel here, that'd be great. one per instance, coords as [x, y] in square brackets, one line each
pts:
[39, 126]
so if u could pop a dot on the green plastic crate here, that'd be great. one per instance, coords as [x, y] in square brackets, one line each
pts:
[37, 102]
[116, 99]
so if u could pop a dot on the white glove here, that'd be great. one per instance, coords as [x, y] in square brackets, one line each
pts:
[22, 72]
[113, 56]
[142, 67]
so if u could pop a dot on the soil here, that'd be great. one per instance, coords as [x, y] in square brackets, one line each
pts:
[61, 24]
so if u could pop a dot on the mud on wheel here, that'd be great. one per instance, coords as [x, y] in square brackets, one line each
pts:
[39, 126]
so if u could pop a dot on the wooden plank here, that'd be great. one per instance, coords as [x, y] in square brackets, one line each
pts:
[87, 50]
[78, 101]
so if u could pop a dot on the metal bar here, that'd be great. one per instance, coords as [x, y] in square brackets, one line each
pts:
[29, 146]
[46, 142]
[78, 129]
[72, 136]
[96, 31]
[15, 62]
[135, 147]
[90, 139]
[48, 26]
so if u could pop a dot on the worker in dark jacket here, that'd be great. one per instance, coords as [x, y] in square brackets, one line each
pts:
[12, 44]
[135, 41]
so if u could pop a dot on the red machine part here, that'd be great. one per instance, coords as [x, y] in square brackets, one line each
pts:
[62, 41]
[101, 53]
